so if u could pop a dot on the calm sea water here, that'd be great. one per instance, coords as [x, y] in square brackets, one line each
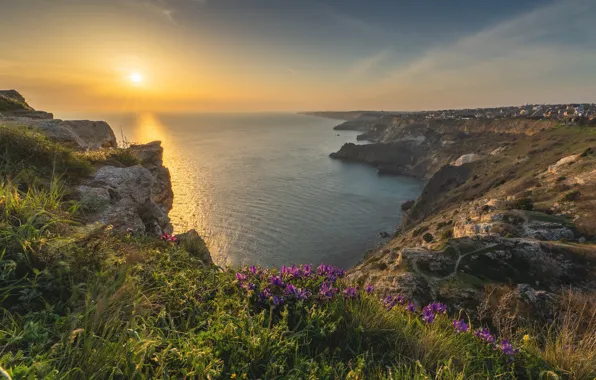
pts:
[261, 188]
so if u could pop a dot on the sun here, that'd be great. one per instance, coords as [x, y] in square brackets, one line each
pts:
[136, 78]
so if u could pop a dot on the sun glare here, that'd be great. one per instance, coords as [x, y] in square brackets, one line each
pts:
[136, 78]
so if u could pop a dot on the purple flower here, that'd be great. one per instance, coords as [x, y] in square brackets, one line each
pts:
[327, 290]
[322, 269]
[460, 326]
[277, 300]
[240, 276]
[351, 292]
[438, 307]
[411, 307]
[252, 269]
[251, 286]
[264, 295]
[485, 335]
[276, 281]
[290, 289]
[428, 315]
[307, 270]
[389, 302]
[369, 289]
[400, 299]
[507, 348]
[302, 294]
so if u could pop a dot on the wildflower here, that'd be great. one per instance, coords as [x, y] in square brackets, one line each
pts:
[428, 315]
[277, 300]
[327, 290]
[264, 295]
[276, 281]
[460, 326]
[302, 294]
[233, 376]
[438, 307]
[290, 289]
[322, 269]
[251, 286]
[369, 289]
[507, 348]
[252, 269]
[485, 335]
[411, 307]
[400, 299]
[389, 302]
[307, 270]
[351, 292]
[241, 276]
[526, 338]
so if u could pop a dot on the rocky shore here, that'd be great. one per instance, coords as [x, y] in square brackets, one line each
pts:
[506, 215]
[130, 194]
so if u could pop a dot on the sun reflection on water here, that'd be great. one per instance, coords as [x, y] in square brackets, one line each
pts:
[193, 190]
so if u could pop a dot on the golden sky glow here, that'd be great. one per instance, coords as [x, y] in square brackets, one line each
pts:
[253, 55]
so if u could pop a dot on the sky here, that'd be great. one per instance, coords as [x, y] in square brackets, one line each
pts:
[296, 55]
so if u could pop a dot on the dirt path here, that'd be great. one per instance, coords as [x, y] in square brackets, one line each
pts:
[434, 278]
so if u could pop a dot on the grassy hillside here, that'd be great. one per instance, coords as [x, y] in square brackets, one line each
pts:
[10, 104]
[83, 302]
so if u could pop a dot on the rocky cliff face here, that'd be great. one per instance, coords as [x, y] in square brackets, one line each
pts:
[508, 208]
[13, 104]
[134, 197]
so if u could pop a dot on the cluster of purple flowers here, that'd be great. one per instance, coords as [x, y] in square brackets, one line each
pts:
[391, 301]
[169, 238]
[293, 283]
[351, 292]
[430, 312]
[505, 347]
[485, 335]
[460, 326]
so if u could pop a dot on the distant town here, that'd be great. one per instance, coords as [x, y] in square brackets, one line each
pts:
[535, 111]
[564, 112]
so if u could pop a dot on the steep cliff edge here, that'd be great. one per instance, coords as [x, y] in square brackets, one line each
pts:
[501, 212]
[126, 188]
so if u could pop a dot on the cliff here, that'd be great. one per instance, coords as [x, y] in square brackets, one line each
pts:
[507, 209]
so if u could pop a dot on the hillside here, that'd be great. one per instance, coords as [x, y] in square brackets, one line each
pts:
[95, 284]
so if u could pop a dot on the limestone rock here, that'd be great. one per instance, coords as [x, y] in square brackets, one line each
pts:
[563, 161]
[129, 204]
[151, 157]
[77, 134]
[466, 159]
[196, 246]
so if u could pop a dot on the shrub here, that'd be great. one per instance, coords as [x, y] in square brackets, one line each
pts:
[447, 234]
[428, 237]
[571, 196]
[523, 204]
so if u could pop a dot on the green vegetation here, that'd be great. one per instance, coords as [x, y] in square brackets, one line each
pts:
[84, 302]
[10, 104]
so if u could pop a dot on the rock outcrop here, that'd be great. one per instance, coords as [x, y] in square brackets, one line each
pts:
[150, 155]
[76, 134]
[13, 104]
[122, 197]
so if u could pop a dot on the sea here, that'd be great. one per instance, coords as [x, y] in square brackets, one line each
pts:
[261, 188]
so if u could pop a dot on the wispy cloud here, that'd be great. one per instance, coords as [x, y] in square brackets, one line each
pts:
[547, 48]
[367, 64]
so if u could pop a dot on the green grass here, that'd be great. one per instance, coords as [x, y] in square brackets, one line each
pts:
[29, 156]
[83, 302]
[10, 104]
